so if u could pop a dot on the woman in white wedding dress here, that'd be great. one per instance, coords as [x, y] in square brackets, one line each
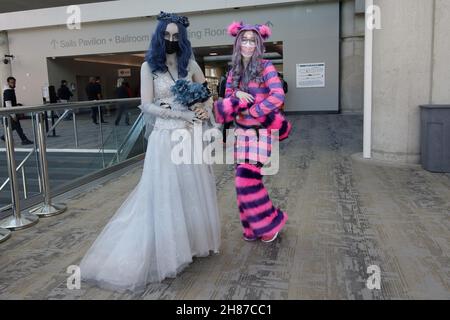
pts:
[171, 215]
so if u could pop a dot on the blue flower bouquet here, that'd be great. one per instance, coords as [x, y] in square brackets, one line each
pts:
[189, 93]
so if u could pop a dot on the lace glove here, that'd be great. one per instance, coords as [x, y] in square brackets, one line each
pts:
[166, 113]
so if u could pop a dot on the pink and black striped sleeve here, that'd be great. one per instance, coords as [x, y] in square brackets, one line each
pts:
[230, 93]
[226, 109]
[275, 98]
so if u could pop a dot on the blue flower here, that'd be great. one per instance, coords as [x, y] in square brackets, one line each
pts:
[189, 93]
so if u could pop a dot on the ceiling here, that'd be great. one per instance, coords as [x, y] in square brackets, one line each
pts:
[126, 59]
[23, 5]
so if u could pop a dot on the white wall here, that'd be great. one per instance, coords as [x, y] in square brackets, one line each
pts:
[126, 9]
[310, 33]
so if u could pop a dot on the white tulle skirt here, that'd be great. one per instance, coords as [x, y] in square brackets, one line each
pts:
[169, 217]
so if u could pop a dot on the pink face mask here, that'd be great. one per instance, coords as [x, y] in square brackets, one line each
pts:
[247, 50]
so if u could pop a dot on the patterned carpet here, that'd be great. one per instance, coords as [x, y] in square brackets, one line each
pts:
[345, 214]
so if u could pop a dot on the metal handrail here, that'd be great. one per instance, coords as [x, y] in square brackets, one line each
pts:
[128, 136]
[17, 169]
[7, 111]
[20, 166]
[51, 107]
[58, 121]
[59, 106]
[136, 123]
[33, 150]
[18, 220]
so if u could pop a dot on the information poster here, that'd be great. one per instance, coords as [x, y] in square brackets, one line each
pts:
[310, 75]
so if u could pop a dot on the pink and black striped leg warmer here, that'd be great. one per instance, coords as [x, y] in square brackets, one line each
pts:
[258, 215]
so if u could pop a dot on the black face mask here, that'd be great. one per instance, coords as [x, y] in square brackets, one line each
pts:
[172, 46]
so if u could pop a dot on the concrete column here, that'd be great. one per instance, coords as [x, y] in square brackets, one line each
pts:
[5, 69]
[402, 77]
[441, 49]
[351, 59]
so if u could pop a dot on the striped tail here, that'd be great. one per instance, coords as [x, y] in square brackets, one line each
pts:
[226, 109]
[276, 121]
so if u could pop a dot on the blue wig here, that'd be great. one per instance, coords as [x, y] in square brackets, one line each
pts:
[156, 54]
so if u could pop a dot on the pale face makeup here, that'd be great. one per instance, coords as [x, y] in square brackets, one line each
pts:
[248, 44]
[171, 32]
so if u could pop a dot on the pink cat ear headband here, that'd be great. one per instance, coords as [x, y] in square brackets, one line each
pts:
[236, 27]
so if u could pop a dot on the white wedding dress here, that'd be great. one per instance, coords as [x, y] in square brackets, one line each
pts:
[169, 217]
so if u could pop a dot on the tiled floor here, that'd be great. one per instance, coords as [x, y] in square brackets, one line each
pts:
[345, 214]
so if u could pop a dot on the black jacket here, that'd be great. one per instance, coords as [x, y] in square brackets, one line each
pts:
[64, 93]
[122, 92]
[222, 87]
[9, 95]
[92, 90]
[285, 86]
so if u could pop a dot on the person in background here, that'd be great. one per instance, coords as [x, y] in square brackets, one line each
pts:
[94, 92]
[285, 87]
[221, 86]
[10, 100]
[123, 91]
[221, 93]
[100, 95]
[64, 95]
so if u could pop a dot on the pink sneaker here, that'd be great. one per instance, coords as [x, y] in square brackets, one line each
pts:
[250, 238]
[269, 237]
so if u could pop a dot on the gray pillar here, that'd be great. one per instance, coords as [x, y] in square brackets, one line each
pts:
[402, 77]
[441, 49]
[351, 59]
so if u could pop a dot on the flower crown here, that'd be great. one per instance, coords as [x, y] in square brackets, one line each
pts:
[172, 17]
[236, 27]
